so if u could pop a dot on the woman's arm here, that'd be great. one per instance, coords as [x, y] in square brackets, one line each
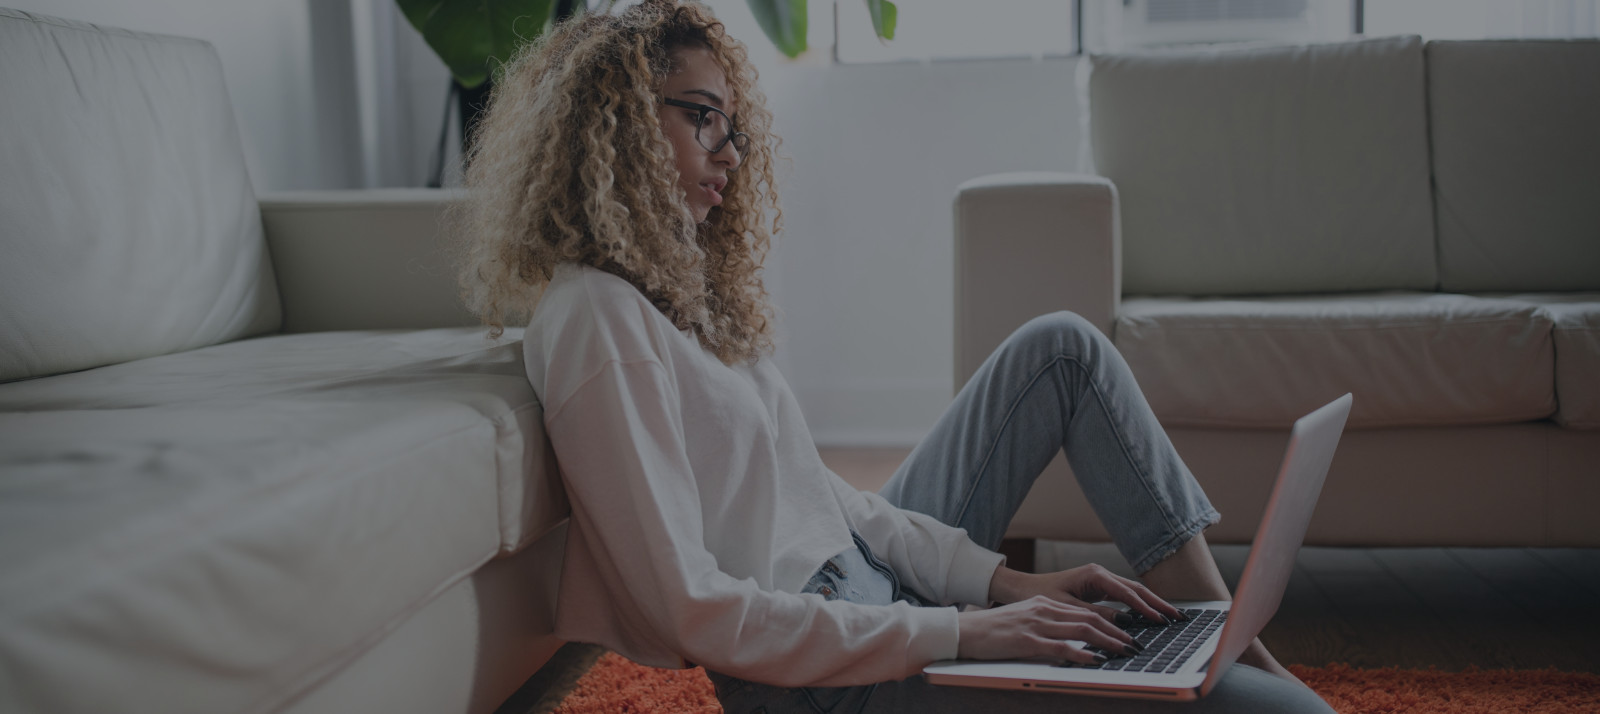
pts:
[619, 438]
[937, 561]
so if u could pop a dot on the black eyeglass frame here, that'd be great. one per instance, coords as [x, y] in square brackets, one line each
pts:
[741, 140]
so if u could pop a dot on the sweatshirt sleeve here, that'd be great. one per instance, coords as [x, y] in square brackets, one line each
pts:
[619, 438]
[936, 560]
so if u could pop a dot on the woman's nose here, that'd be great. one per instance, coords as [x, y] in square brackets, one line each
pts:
[727, 157]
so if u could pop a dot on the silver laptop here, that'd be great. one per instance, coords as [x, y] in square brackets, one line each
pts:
[1183, 661]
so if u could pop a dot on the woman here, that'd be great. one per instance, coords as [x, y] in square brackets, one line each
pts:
[618, 191]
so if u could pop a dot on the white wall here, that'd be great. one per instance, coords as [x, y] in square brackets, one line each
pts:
[863, 274]
[864, 271]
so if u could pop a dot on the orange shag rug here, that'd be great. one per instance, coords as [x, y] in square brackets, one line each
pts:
[614, 685]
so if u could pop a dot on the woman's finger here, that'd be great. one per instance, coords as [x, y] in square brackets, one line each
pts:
[1083, 624]
[1152, 599]
[1131, 597]
[1063, 650]
[1089, 634]
[1110, 614]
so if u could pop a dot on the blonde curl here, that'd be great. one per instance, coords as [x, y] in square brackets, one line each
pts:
[570, 164]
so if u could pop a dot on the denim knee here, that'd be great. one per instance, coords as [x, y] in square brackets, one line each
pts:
[1058, 333]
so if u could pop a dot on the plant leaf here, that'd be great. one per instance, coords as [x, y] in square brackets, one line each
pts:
[884, 14]
[475, 36]
[784, 22]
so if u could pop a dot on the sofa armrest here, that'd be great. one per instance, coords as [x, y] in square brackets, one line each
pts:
[362, 260]
[1027, 244]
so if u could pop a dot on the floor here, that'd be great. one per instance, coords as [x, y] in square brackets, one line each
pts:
[1447, 608]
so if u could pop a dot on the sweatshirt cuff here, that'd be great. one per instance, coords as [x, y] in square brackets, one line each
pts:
[970, 572]
[938, 637]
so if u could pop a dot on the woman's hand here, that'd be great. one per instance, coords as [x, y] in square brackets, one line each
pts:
[1082, 587]
[1039, 627]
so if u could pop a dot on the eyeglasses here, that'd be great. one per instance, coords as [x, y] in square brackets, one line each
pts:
[712, 128]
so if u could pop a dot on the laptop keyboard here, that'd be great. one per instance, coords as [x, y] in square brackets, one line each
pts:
[1166, 647]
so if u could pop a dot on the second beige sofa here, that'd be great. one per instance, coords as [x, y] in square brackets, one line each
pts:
[1417, 223]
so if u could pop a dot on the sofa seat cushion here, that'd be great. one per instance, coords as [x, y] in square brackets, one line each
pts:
[217, 530]
[1411, 359]
[1577, 343]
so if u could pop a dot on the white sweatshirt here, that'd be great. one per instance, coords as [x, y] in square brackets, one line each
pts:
[700, 508]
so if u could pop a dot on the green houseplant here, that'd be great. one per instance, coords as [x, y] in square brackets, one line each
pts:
[475, 37]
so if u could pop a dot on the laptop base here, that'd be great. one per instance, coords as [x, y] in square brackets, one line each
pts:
[1045, 676]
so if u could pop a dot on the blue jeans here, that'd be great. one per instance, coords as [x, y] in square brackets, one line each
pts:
[1056, 383]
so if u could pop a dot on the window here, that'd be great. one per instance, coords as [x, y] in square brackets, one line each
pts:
[1480, 19]
[1145, 24]
[930, 30]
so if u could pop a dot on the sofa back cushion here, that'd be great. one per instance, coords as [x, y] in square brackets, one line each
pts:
[1269, 169]
[128, 225]
[1516, 163]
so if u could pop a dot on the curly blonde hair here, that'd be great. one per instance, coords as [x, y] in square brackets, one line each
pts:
[570, 164]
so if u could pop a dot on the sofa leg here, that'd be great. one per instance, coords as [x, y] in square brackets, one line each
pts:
[1018, 553]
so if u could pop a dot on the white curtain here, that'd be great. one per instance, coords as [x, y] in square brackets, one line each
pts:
[401, 88]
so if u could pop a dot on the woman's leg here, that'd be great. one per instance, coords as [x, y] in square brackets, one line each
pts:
[1058, 383]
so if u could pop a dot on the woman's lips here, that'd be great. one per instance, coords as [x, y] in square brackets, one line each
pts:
[712, 194]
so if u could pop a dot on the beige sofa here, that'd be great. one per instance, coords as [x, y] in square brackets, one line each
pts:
[1270, 227]
[253, 458]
